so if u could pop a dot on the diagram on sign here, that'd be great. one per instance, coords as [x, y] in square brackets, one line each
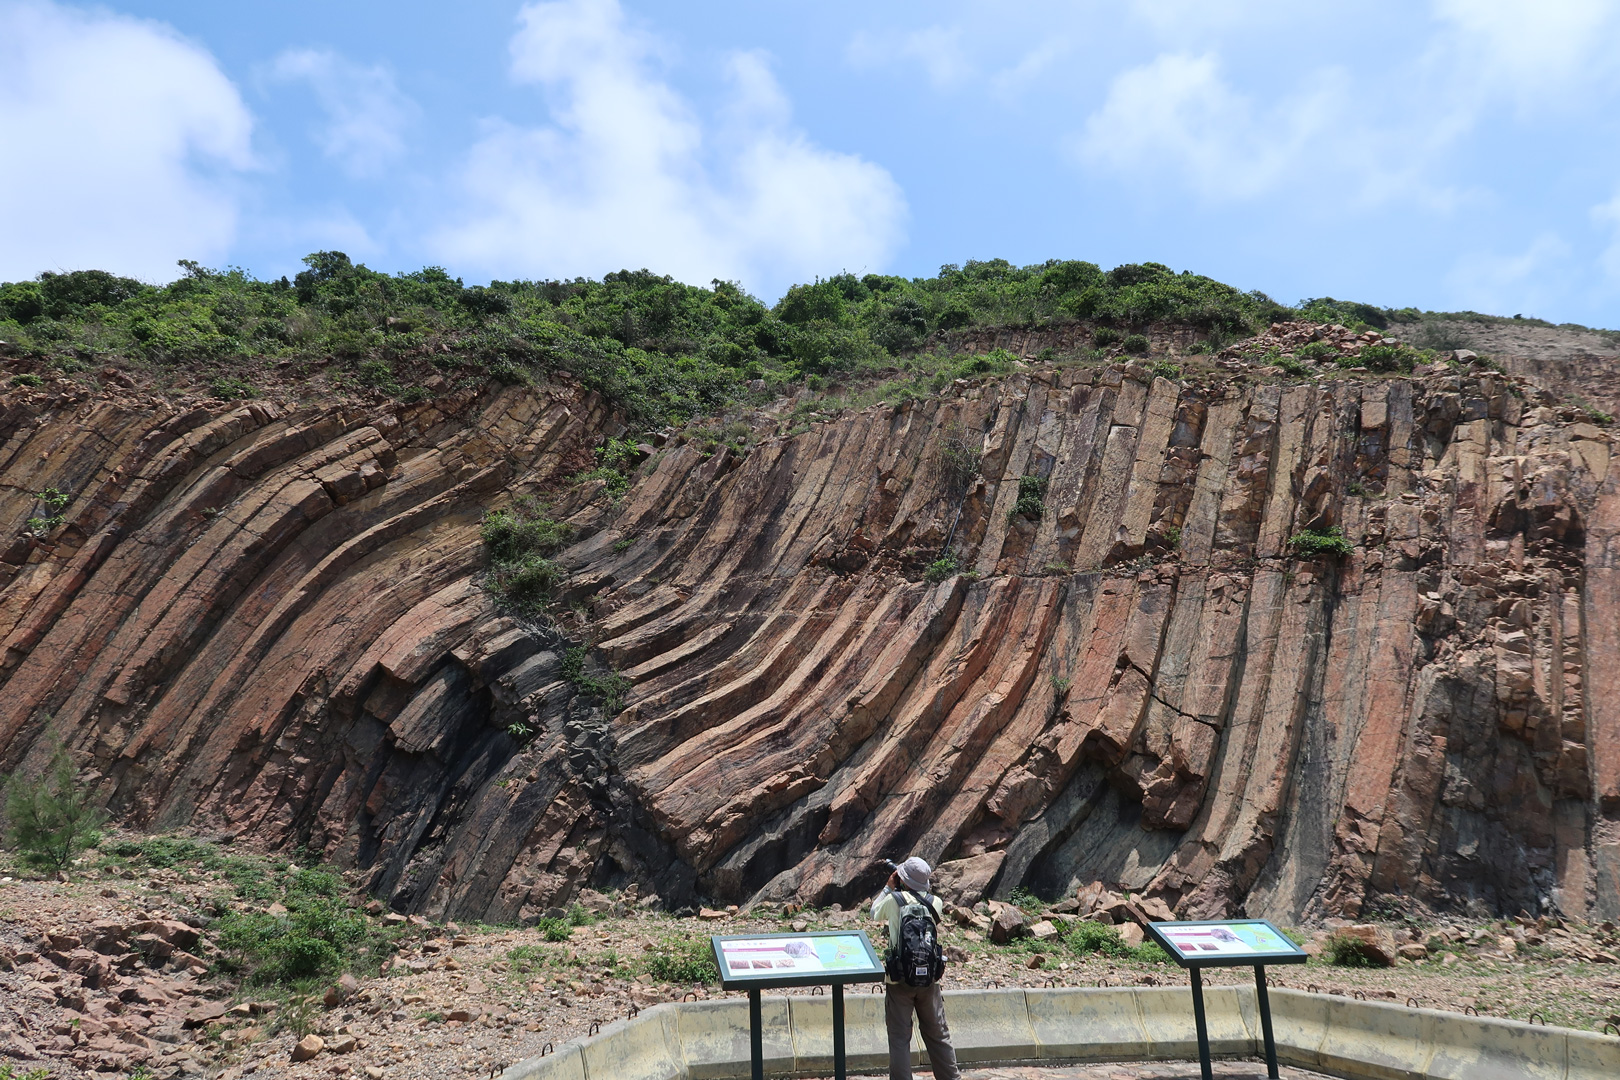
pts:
[781, 955]
[1225, 939]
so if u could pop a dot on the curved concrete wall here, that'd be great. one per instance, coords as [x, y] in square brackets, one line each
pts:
[708, 1040]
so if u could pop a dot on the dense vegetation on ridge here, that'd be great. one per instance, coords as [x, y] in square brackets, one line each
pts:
[664, 350]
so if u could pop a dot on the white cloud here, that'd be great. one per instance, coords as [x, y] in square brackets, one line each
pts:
[1010, 82]
[1177, 120]
[1609, 214]
[627, 175]
[1527, 49]
[366, 114]
[1186, 19]
[938, 50]
[120, 139]
[1519, 282]
[945, 55]
[1177, 113]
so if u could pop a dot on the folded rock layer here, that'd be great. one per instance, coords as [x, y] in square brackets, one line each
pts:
[271, 619]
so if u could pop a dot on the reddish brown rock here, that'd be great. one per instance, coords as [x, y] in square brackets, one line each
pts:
[308, 1047]
[965, 881]
[1375, 943]
[1007, 923]
[270, 619]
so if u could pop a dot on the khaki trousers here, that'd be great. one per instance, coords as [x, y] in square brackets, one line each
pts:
[899, 1000]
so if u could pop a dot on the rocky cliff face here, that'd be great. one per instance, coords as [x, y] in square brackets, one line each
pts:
[270, 619]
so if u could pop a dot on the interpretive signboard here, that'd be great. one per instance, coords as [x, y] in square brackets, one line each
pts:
[778, 960]
[758, 962]
[1230, 943]
[1221, 944]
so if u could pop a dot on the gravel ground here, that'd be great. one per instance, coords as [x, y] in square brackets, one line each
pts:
[463, 1001]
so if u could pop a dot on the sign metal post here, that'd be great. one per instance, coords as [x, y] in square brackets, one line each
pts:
[838, 1030]
[774, 961]
[1235, 943]
[1264, 1000]
[756, 1034]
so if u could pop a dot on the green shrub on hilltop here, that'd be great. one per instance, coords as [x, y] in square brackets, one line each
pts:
[8, 1071]
[1287, 363]
[616, 458]
[1344, 312]
[1389, 358]
[664, 351]
[1150, 952]
[162, 852]
[53, 502]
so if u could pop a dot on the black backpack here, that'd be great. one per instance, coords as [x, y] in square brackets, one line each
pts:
[917, 960]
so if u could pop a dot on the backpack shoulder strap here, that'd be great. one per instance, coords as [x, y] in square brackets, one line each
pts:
[923, 900]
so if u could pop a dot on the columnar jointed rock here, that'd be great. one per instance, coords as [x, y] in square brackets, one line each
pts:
[274, 621]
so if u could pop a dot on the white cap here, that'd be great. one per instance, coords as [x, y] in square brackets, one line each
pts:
[914, 874]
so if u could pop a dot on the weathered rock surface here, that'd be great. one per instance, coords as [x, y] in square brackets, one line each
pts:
[272, 621]
[1575, 360]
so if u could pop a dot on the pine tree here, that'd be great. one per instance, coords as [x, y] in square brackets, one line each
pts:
[50, 818]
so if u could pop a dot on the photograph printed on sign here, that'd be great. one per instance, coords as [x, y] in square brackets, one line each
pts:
[1229, 939]
[759, 956]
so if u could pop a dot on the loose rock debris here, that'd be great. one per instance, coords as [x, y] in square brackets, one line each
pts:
[98, 979]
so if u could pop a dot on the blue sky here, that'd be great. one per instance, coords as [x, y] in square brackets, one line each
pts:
[1445, 154]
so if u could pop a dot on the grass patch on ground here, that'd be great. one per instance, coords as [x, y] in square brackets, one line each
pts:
[682, 960]
[279, 925]
[1346, 950]
[1086, 937]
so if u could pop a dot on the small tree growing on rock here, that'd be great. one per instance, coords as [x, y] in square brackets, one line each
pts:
[50, 819]
[961, 458]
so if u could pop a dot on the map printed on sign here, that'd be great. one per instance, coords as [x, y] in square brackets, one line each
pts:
[1195, 941]
[770, 956]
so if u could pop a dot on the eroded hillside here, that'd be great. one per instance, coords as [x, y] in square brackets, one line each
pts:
[270, 619]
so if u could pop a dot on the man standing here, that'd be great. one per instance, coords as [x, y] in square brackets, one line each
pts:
[915, 965]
